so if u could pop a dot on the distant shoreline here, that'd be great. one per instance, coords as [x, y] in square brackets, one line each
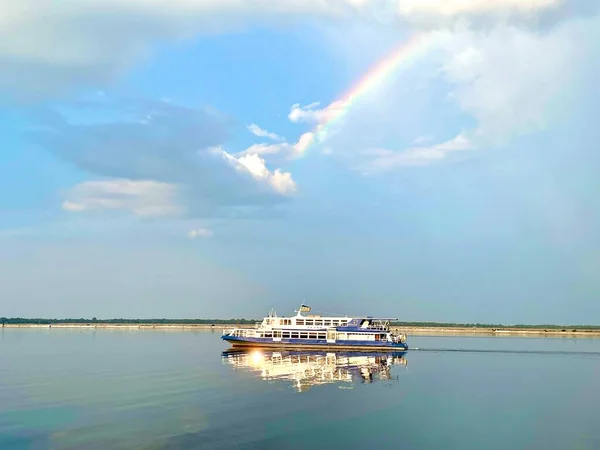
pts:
[500, 332]
[409, 330]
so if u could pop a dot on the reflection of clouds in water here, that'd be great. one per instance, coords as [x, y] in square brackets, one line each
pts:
[307, 369]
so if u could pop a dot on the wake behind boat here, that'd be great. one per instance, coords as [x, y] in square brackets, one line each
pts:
[317, 332]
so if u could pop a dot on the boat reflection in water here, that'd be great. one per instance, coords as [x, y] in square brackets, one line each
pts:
[309, 368]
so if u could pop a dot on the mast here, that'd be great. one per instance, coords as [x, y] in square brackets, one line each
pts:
[303, 308]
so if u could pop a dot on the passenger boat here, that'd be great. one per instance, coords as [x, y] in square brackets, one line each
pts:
[316, 332]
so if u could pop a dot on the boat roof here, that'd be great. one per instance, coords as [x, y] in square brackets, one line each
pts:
[307, 309]
[379, 318]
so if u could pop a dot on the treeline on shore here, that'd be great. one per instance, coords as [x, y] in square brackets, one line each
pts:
[42, 321]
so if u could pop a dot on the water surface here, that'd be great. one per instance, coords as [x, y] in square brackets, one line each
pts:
[129, 389]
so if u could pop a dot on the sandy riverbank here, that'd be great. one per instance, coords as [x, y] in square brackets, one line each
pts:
[126, 326]
[418, 331]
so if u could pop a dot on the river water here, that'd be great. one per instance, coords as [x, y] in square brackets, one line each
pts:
[129, 389]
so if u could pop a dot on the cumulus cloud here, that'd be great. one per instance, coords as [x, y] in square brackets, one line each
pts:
[317, 118]
[48, 48]
[509, 79]
[281, 182]
[143, 198]
[154, 152]
[308, 114]
[501, 83]
[491, 73]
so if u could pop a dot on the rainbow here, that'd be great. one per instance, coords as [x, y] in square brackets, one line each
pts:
[399, 57]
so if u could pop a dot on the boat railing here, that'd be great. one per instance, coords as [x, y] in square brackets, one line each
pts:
[378, 327]
[240, 332]
[370, 327]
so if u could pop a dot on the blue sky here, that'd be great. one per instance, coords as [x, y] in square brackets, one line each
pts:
[152, 164]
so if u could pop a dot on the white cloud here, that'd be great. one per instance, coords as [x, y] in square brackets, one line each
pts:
[285, 148]
[385, 160]
[253, 164]
[200, 233]
[306, 113]
[318, 117]
[145, 199]
[170, 154]
[282, 182]
[507, 78]
[501, 83]
[511, 80]
[258, 131]
[266, 149]
[305, 141]
[452, 8]
[47, 47]
[311, 114]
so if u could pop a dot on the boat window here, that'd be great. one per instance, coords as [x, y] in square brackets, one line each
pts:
[327, 323]
[309, 322]
[312, 335]
[335, 323]
[268, 334]
[286, 334]
[319, 322]
[322, 335]
[299, 321]
[295, 335]
[304, 335]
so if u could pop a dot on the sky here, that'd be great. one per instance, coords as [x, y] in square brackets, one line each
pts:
[430, 160]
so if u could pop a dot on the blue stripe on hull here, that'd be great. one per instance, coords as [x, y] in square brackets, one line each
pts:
[312, 343]
[321, 352]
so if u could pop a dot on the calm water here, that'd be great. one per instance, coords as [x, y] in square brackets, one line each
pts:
[105, 389]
